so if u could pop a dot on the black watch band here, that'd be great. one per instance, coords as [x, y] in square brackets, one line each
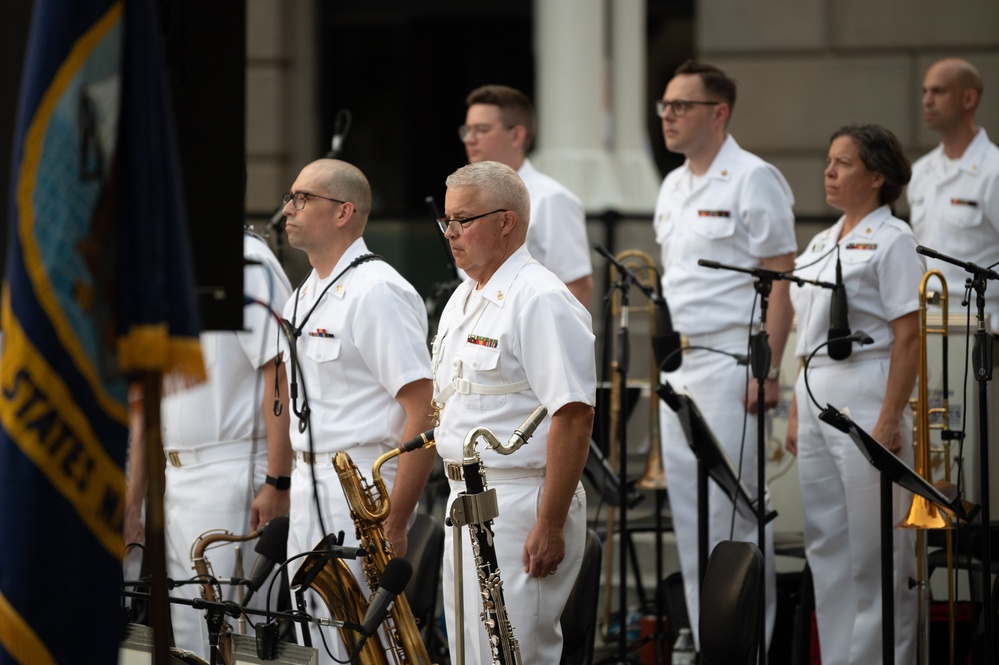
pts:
[279, 482]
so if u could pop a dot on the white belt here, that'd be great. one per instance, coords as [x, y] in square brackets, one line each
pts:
[454, 472]
[327, 458]
[212, 453]
[856, 357]
[721, 339]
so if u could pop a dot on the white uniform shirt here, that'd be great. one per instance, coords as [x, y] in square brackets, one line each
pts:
[955, 210]
[227, 407]
[556, 233]
[522, 325]
[881, 274]
[738, 213]
[364, 341]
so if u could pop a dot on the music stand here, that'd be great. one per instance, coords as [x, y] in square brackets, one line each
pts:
[713, 462]
[893, 470]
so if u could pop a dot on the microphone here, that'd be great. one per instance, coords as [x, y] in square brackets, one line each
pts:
[341, 125]
[666, 341]
[394, 579]
[840, 344]
[271, 549]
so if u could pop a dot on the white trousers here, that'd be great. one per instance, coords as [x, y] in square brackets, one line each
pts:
[304, 531]
[199, 498]
[841, 493]
[717, 385]
[534, 605]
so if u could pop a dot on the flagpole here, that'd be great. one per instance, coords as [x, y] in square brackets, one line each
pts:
[155, 539]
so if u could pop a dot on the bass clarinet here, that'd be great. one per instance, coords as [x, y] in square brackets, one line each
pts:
[476, 507]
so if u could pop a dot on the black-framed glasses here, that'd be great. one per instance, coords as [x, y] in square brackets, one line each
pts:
[476, 130]
[680, 106]
[301, 197]
[444, 223]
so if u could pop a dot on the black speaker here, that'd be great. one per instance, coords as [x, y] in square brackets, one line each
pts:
[14, 21]
[206, 57]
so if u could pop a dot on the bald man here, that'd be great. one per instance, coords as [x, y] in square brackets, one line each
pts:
[363, 365]
[954, 192]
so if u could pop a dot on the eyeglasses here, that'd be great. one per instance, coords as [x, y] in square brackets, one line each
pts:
[475, 130]
[444, 223]
[301, 197]
[680, 106]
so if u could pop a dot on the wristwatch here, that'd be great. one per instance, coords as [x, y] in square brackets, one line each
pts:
[773, 374]
[279, 482]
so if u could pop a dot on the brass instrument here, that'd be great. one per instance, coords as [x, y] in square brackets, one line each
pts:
[923, 514]
[211, 590]
[653, 476]
[336, 584]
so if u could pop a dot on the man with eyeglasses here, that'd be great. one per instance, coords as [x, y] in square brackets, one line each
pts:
[499, 126]
[512, 338]
[361, 383]
[727, 205]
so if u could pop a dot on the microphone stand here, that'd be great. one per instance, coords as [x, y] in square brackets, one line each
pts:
[623, 358]
[760, 359]
[982, 366]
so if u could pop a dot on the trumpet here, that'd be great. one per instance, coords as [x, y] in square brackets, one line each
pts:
[923, 514]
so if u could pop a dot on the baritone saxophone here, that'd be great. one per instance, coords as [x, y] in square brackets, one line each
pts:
[211, 590]
[369, 507]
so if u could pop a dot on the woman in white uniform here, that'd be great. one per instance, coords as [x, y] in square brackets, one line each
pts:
[865, 174]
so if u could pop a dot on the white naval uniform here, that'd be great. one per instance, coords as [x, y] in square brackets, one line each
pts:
[364, 341]
[839, 487]
[556, 234]
[955, 210]
[519, 342]
[217, 434]
[738, 213]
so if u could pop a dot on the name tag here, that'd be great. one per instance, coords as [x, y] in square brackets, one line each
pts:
[964, 202]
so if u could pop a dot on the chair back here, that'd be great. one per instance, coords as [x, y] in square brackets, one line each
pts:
[426, 553]
[579, 618]
[730, 612]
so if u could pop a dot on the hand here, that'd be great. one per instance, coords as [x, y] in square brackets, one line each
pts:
[889, 434]
[269, 503]
[791, 439]
[398, 536]
[544, 550]
[133, 530]
[771, 395]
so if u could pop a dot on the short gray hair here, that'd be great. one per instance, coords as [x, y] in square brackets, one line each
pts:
[500, 186]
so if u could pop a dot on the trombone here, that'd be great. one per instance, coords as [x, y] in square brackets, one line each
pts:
[923, 514]
[653, 476]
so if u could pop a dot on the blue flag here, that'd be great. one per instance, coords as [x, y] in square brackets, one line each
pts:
[98, 284]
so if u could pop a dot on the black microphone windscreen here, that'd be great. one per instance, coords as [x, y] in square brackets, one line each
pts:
[396, 575]
[666, 341]
[273, 542]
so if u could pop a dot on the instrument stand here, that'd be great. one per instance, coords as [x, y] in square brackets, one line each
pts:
[712, 462]
[215, 618]
[982, 365]
[760, 359]
[623, 359]
[893, 470]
